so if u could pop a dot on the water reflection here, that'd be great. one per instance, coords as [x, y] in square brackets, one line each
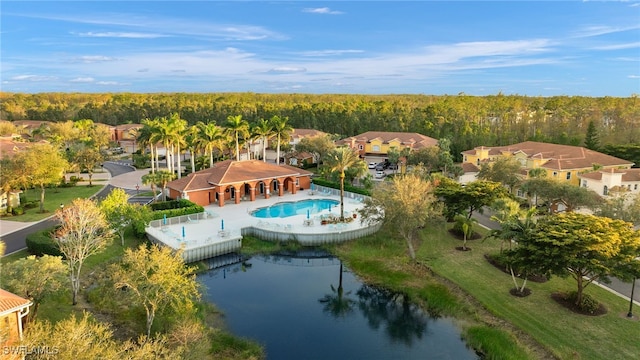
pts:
[402, 320]
[309, 306]
[338, 303]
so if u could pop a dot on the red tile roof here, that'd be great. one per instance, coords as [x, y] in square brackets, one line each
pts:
[10, 302]
[413, 140]
[628, 175]
[560, 157]
[302, 133]
[233, 172]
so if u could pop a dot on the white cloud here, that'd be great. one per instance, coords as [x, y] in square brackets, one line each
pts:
[83, 80]
[287, 70]
[634, 76]
[88, 59]
[129, 35]
[330, 52]
[108, 83]
[33, 78]
[168, 26]
[632, 45]
[322, 10]
[598, 30]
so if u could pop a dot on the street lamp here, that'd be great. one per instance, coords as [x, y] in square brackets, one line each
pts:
[633, 286]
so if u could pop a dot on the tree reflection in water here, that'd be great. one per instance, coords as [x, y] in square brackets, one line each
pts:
[338, 303]
[403, 321]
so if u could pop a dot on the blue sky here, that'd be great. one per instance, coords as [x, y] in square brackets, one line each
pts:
[360, 47]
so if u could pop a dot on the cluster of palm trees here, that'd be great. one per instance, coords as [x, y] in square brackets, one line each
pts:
[208, 139]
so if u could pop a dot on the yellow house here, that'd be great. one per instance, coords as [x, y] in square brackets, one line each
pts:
[562, 162]
[378, 143]
[13, 309]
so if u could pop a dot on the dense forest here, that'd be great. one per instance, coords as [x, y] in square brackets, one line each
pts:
[468, 121]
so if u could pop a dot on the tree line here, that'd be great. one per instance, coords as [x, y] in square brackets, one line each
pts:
[468, 121]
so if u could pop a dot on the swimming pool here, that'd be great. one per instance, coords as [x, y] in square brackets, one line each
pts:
[286, 209]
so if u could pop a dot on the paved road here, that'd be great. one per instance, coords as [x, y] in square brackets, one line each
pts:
[17, 240]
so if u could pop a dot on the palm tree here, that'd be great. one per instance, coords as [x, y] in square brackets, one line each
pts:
[339, 160]
[281, 130]
[149, 135]
[178, 137]
[466, 224]
[263, 130]
[237, 128]
[192, 142]
[160, 178]
[512, 229]
[211, 137]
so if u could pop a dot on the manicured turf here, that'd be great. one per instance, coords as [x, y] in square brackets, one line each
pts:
[567, 335]
[52, 199]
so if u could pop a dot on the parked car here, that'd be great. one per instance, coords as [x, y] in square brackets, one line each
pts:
[393, 166]
[380, 174]
[372, 165]
[380, 166]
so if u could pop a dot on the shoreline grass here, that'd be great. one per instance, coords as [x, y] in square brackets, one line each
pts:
[477, 294]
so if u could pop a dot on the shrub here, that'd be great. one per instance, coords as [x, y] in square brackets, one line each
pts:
[42, 243]
[588, 305]
[347, 187]
[31, 204]
[172, 204]
[18, 210]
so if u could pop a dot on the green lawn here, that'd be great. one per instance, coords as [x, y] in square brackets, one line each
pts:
[567, 335]
[557, 331]
[52, 199]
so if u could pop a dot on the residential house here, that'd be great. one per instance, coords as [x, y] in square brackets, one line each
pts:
[562, 162]
[603, 181]
[374, 146]
[13, 310]
[125, 135]
[239, 180]
[294, 139]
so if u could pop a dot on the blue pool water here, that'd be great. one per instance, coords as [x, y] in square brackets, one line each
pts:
[286, 209]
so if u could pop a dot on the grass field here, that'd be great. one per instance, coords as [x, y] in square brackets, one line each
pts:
[52, 199]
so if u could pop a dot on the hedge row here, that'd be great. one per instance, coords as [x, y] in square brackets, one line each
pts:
[157, 215]
[347, 187]
[41, 243]
[172, 204]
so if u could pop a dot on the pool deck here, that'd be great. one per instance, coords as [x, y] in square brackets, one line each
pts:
[202, 236]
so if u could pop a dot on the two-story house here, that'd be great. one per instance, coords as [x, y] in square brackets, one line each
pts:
[374, 146]
[562, 162]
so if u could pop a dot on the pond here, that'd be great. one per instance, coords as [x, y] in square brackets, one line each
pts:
[308, 306]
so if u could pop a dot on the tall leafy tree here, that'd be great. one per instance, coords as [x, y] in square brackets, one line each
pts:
[34, 278]
[156, 278]
[87, 158]
[318, 146]
[9, 179]
[282, 131]
[83, 232]
[586, 247]
[403, 205]
[43, 165]
[505, 170]
[338, 161]
[238, 128]
[118, 212]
